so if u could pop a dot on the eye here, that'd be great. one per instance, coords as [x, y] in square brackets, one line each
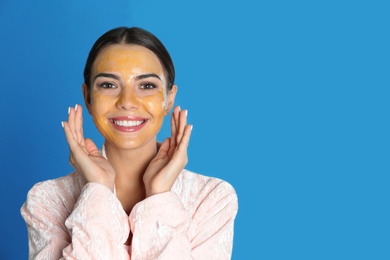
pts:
[148, 86]
[107, 85]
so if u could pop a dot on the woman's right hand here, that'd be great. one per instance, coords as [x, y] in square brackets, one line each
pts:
[84, 155]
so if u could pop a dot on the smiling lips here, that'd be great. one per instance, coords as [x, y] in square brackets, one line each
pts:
[128, 124]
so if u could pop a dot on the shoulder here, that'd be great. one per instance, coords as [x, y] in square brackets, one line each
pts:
[62, 192]
[68, 183]
[196, 182]
[195, 189]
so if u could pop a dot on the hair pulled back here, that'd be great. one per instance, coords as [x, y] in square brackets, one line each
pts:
[136, 36]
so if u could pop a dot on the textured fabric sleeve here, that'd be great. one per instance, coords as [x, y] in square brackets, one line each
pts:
[163, 229]
[160, 228]
[213, 226]
[97, 227]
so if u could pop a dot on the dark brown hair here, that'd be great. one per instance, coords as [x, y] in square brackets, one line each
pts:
[133, 35]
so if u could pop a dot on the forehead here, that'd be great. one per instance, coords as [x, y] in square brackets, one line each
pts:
[125, 57]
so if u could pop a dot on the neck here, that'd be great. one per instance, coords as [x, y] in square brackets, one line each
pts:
[130, 165]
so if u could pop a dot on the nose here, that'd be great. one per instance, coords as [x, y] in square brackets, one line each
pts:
[127, 99]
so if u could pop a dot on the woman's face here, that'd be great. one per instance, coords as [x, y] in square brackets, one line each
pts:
[128, 99]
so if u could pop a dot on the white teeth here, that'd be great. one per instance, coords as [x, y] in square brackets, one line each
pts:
[127, 123]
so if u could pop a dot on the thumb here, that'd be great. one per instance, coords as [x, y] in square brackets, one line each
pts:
[91, 148]
[163, 151]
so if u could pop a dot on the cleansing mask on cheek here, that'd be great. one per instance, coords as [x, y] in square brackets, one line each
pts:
[129, 98]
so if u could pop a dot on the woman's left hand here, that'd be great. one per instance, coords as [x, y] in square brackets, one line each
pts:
[171, 158]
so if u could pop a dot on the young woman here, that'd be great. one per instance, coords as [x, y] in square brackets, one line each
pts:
[132, 199]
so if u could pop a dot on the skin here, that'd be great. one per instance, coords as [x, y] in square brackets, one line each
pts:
[125, 95]
[136, 165]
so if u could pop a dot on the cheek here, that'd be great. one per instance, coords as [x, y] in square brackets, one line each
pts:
[156, 104]
[97, 102]
[99, 106]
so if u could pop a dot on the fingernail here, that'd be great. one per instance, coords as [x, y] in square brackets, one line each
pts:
[62, 123]
[192, 127]
[75, 107]
[179, 108]
[68, 110]
[186, 113]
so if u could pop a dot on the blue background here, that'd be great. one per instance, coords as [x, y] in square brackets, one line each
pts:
[289, 102]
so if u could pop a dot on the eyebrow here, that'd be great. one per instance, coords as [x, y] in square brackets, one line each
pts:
[139, 77]
[144, 76]
[107, 75]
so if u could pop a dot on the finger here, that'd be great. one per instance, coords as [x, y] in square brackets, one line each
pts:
[176, 113]
[175, 121]
[173, 130]
[72, 142]
[163, 150]
[91, 148]
[79, 124]
[182, 125]
[71, 122]
[68, 135]
[176, 116]
[180, 157]
[172, 142]
[74, 147]
[181, 150]
[186, 137]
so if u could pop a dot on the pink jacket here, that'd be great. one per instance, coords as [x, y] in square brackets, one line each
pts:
[69, 219]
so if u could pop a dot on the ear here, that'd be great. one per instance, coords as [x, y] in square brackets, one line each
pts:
[87, 97]
[170, 99]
